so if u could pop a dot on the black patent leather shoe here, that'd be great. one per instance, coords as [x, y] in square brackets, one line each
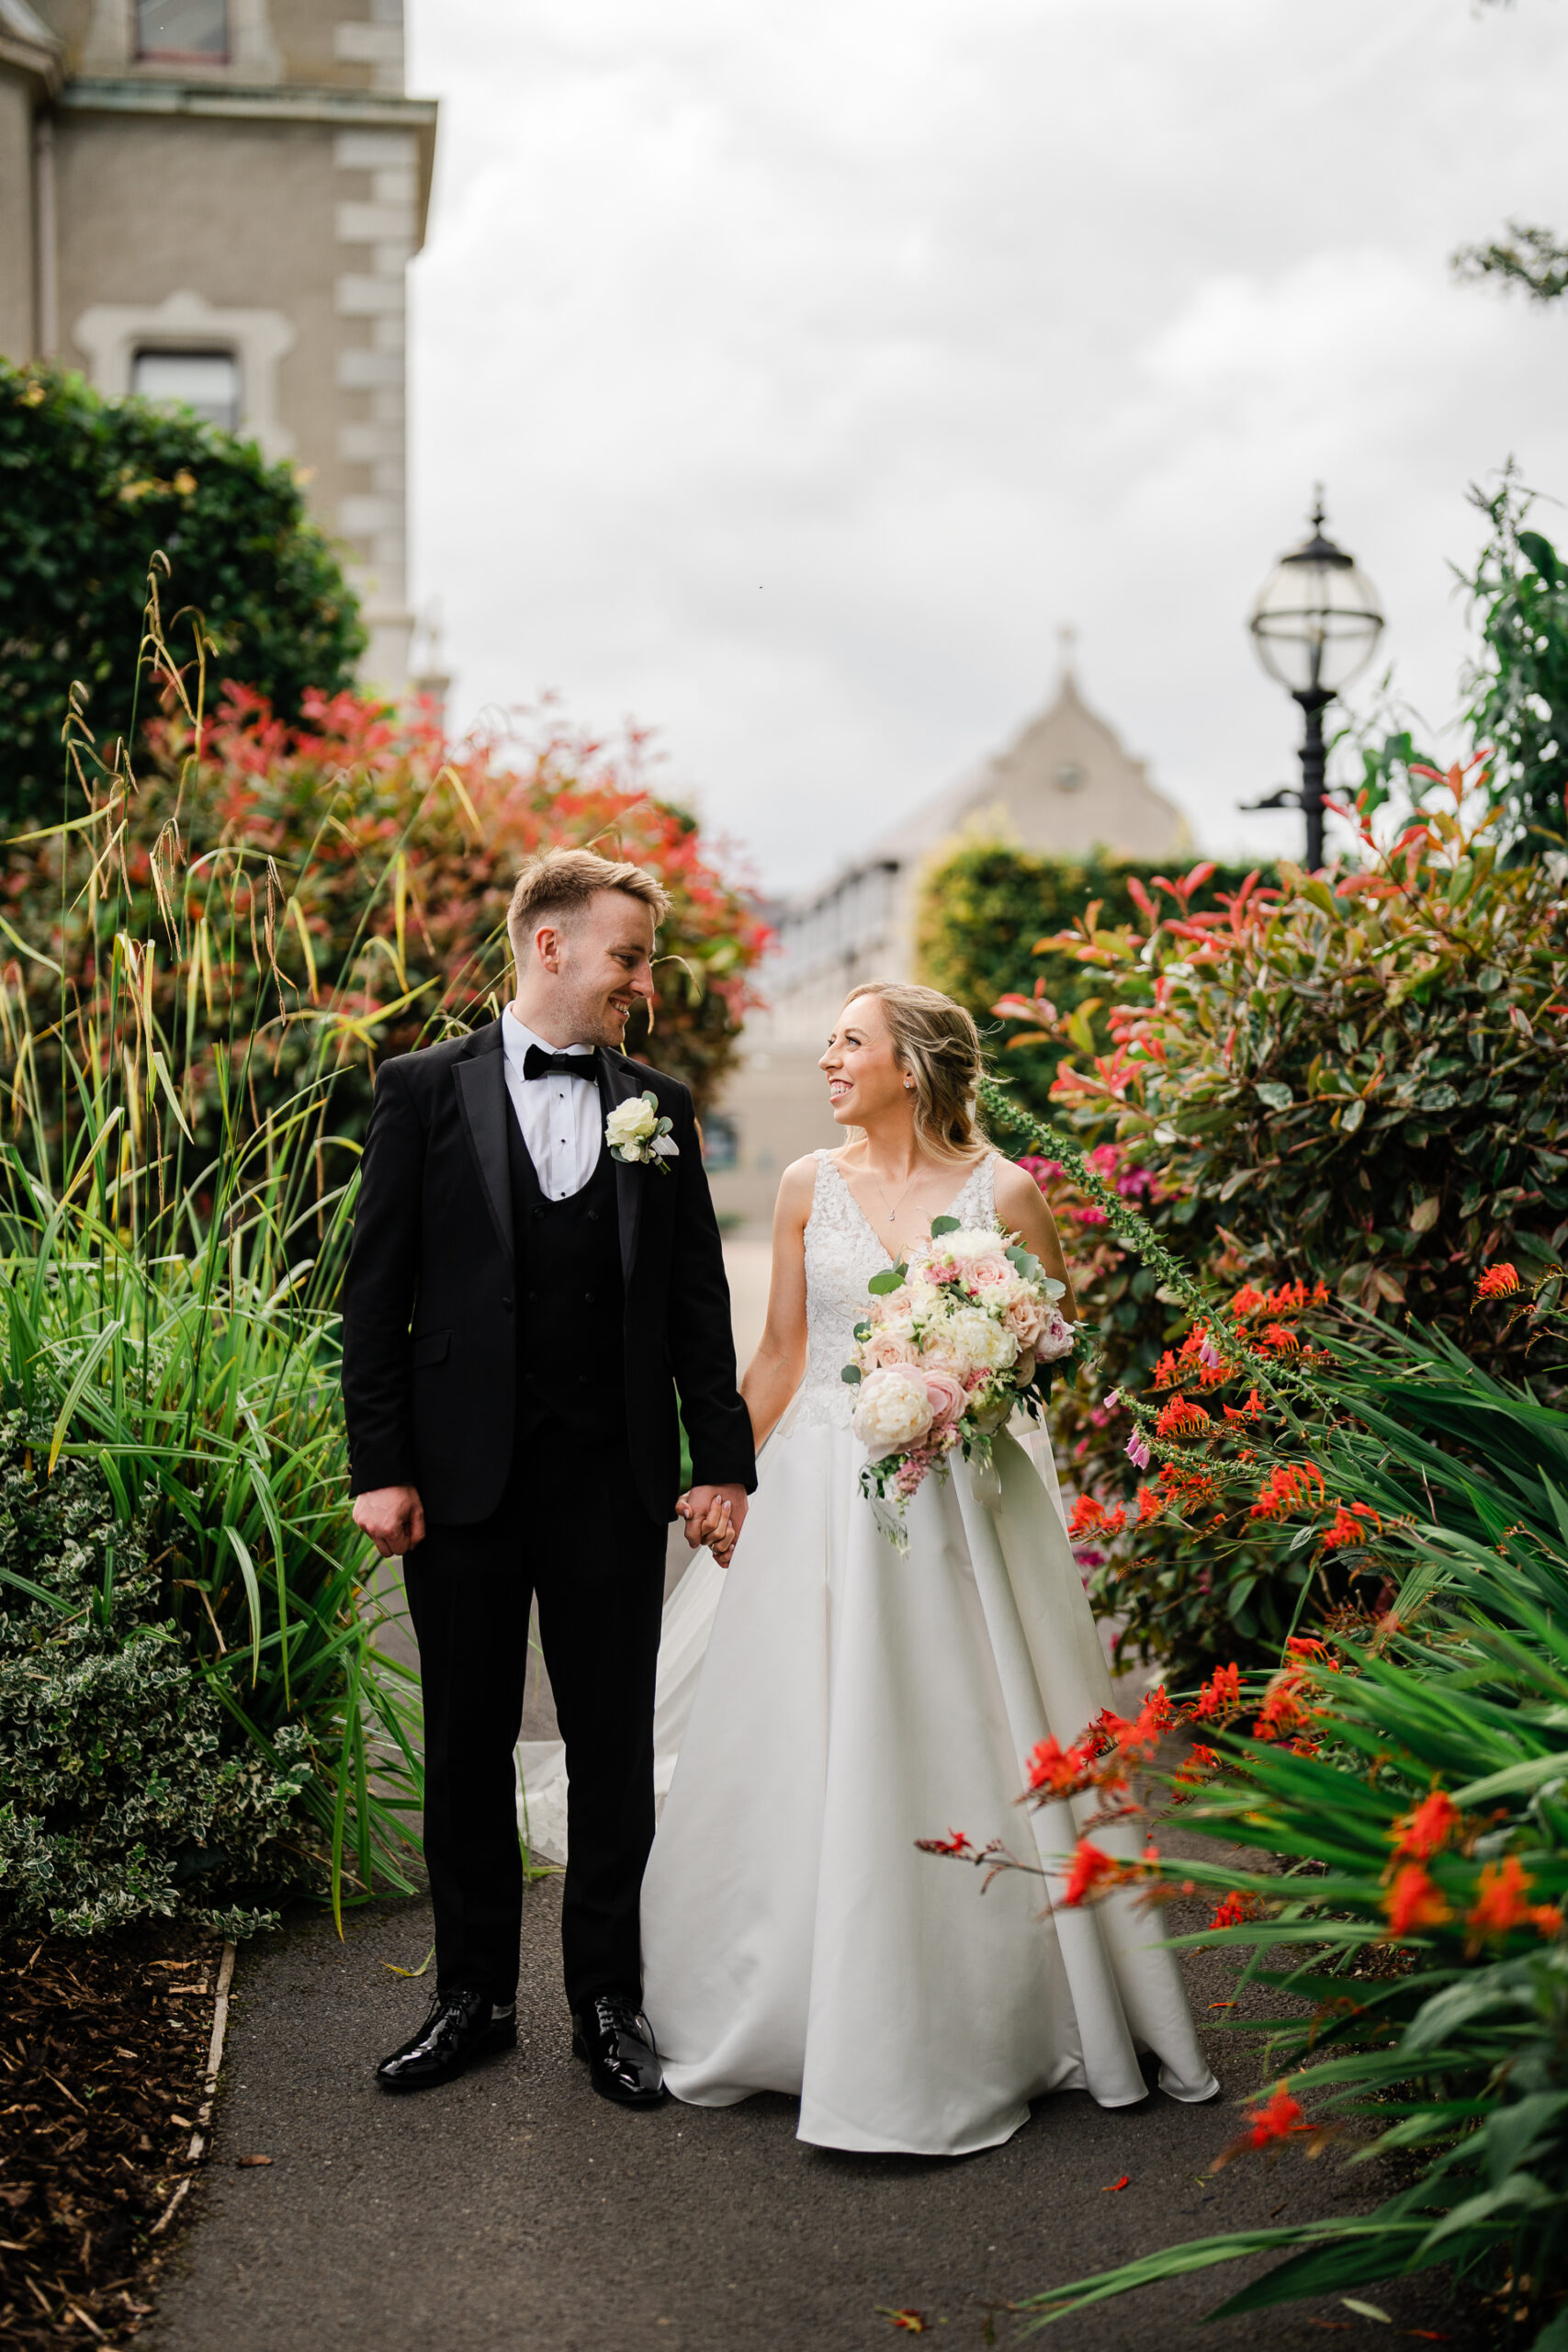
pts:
[460, 2028]
[616, 2039]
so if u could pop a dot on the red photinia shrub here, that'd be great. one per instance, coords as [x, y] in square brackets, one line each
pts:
[349, 877]
[1350, 1087]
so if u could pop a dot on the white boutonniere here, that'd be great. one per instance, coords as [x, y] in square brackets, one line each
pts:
[635, 1133]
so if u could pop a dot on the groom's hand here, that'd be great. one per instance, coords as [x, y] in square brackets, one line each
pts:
[392, 1517]
[715, 1516]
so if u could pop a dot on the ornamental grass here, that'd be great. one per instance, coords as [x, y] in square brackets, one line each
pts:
[170, 1337]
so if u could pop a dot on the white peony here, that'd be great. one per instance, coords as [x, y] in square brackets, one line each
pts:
[970, 1341]
[970, 1245]
[631, 1121]
[892, 1410]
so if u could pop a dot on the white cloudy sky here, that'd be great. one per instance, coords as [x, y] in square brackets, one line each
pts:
[788, 371]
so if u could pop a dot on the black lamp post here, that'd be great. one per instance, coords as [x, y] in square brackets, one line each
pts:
[1314, 625]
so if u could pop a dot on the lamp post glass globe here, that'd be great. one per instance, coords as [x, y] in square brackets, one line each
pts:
[1315, 624]
[1316, 620]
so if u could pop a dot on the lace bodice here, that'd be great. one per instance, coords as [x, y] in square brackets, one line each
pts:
[842, 1253]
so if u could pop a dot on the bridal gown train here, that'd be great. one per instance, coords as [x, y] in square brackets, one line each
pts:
[849, 1703]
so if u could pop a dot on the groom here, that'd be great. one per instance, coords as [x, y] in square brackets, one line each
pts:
[521, 1305]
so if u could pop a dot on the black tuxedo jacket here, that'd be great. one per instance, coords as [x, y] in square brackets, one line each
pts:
[430, 1338]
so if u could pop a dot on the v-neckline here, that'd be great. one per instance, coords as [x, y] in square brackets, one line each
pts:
[893, 1257]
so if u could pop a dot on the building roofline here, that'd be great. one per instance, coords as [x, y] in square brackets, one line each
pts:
[27, 46]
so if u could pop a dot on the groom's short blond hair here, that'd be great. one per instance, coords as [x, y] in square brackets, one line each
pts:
[559, 883]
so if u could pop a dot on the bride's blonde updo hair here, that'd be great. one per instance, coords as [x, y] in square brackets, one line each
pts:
[936, 1043]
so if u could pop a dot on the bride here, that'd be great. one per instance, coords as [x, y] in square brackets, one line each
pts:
[850, 1702]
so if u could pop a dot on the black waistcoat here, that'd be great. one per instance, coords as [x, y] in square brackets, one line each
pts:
[570, 1298]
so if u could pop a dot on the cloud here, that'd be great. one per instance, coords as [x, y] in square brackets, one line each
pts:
[784, 375]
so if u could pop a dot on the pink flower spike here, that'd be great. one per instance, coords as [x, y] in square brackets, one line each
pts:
[1138, 1450]
[1209, 1355]
[1113, 1401]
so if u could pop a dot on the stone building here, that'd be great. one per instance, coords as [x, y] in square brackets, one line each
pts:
[216, 201]
[1066, 784]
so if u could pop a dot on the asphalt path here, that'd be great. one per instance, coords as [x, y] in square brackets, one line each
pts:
[512, 2209]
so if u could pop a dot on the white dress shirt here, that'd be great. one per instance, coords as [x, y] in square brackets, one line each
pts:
[562, 1119]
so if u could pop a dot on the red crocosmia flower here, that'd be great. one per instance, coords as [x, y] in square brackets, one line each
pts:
[1062, 1770]
[1307, 1646]
[1221, 1692]
[1246, 1301]
[1281, 1337]
[1198, 1760]
[1434, 1824]
[956, 1842]
[1349, 1526]
[1183, 1416]
[1413, 1901]
[1279, 2118]
[1498, 1281]
[1235, 1911]
[1151, 1503]
[1092, 1867]
[1284, 1709]
[1290, 1485]
[1092, 1518]
[1500, 1904]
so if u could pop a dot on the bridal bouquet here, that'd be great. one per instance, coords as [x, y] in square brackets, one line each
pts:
[955, 1340]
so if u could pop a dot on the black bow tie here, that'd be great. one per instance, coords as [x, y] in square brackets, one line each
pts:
[537, 1063]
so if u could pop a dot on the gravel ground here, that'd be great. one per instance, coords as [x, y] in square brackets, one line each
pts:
[513, 2208]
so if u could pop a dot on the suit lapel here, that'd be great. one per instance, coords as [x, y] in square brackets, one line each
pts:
[617, 1083]
[480, 1081]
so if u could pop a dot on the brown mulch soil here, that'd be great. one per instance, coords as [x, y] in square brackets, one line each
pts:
[103, 2055]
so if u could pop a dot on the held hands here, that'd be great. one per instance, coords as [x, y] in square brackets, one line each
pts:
[713, 1516]
[392, 1517]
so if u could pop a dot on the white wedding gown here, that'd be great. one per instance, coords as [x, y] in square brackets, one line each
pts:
[822, 1707]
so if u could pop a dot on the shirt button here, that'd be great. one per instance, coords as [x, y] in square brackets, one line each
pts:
[506, 1303]
[588, 1298]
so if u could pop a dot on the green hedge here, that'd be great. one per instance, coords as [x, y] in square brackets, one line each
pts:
[89, 487]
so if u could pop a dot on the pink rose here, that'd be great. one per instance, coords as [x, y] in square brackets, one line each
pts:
[947, 1396]
[894, 1346]
[989, 1274]
[1026, 1319]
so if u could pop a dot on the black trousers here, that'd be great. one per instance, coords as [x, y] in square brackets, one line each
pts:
[570, 1529]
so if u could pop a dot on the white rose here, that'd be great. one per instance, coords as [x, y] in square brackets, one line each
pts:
[631, 1121]
[892, 1410]
[971, 1341]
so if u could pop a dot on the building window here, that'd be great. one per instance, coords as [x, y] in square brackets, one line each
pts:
[193, 32]
[206, 381]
